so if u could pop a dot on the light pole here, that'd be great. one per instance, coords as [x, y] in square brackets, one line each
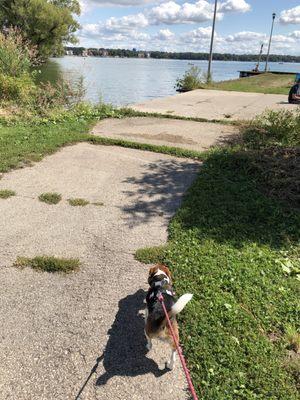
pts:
[270, 40]
[259, 57]
[212, 43]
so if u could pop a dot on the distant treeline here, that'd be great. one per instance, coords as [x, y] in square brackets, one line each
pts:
[101, 52]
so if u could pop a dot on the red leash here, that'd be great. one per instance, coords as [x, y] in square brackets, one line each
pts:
[179, 350]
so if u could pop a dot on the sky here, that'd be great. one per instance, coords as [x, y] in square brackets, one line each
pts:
[176, 25]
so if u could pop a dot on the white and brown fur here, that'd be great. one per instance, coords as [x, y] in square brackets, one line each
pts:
[156, 327]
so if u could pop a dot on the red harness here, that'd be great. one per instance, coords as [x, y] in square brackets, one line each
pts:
[179, 350]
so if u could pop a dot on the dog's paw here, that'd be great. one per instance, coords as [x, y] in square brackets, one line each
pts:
[149, 346]
[169, 365]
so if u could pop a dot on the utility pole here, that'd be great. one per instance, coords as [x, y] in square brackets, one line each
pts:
[270, 40]
[212, 43]
[259, 58]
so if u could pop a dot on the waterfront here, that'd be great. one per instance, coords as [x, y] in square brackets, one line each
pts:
[123, 81]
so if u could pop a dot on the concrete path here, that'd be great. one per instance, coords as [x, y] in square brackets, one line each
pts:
[164, 131]
[57, 330]
[216, 104]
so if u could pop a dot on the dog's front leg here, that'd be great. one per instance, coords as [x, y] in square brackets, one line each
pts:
[170, 364]
[149, 342]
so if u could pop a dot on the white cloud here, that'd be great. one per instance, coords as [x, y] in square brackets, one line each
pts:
[200, 36]
[282, 39]
[291, 16]
[174, 13]
[114, 25]
[246, 36]
[234, 6]
[200, 11]
[295, 34]
[126, 23]
[164, 34]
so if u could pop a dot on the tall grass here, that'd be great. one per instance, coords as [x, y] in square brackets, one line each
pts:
[16, 54]
[192, 79]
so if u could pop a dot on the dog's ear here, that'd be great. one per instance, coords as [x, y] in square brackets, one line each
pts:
[152, 272]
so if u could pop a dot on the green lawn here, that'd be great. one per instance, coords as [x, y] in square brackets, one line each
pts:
[235, 245]
[266, 83]
[19, 145]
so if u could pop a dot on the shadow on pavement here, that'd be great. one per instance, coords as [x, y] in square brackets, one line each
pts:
[125, 352]
[159, 190]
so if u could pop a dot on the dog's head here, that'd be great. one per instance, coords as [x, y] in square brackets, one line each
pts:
[159, 272]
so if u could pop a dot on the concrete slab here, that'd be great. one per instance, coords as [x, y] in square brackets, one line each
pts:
[216, 104]
[163, 131]
[58, 331]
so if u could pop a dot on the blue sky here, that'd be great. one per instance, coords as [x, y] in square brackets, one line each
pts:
[176, 25]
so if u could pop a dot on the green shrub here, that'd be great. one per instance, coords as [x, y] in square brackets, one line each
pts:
[19, 89]
[274, 128]
[60, 95]
[16, 54]
[192, 79]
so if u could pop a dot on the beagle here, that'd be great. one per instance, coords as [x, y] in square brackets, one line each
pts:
[160, 282]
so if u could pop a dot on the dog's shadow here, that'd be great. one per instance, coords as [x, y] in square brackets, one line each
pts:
[125, 352]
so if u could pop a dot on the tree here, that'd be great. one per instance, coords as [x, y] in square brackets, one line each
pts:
[48, 24]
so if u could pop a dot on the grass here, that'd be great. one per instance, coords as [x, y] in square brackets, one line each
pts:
[236, 247]
[151, 255]
[20, 145]
[5, 194]
[49, 263]
[129, 112]
[50, 198]
[266, 83]
[292, 337]
[174, 151]
[77, 202]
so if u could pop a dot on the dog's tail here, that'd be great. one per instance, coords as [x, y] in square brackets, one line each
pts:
[181, 303]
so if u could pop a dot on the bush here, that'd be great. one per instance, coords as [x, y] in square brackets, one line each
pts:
[192, 79]
[61, 94]
[16, 57]
[275, 128]
[16, 54]
[19, 89]
[17, 83]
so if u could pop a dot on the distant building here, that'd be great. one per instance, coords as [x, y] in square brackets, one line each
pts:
[69, 53]
[103, 53]
[141, 55]
[84, 53]
[148, 55]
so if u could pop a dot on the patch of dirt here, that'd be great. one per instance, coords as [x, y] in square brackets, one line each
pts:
[279, 169]
[164, 137]
[292, 364]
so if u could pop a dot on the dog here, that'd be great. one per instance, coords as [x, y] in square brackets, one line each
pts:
[160, 282]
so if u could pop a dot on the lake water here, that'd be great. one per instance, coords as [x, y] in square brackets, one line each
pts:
[123, 81]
